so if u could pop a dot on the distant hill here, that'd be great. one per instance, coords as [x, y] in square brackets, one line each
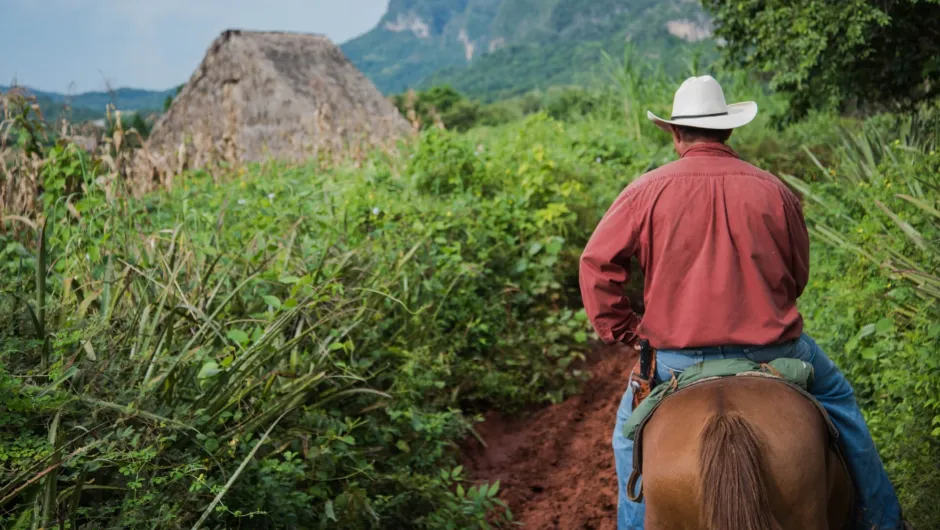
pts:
[93, 105]
[492, 48]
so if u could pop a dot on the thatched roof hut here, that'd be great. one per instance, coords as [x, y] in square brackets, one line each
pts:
[280, 95]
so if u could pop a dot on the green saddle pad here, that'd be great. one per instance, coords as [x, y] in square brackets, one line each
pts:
[794, 371]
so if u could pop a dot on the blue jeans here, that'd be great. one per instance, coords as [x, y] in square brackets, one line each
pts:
[875, 497]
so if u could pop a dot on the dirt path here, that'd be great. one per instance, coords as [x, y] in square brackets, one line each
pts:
[555, 465]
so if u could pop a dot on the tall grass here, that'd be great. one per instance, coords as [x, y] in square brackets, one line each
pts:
[164, 344]
[892, 168]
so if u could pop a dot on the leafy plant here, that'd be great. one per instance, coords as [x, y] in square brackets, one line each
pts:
[877, 301]
[835, 53]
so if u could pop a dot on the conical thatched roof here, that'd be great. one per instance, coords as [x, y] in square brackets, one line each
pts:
[284, 95]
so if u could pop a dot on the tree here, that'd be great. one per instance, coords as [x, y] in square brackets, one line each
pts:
[873, 54]
[169, 99]
[442, 102]
[140, 125]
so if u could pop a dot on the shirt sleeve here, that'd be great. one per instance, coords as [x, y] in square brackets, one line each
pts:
[605, 269]
[799, 243]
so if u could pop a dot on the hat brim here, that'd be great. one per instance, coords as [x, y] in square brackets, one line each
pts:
[739, 115]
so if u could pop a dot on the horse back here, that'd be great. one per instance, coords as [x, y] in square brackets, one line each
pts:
[806, 486]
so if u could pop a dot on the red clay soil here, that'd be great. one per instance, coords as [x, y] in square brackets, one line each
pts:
[555, 465]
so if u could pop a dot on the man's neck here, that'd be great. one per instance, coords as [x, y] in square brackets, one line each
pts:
[706, 149]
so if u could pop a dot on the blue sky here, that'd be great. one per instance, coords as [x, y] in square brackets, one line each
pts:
[77, 45]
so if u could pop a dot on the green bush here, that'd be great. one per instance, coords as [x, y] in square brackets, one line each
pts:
[572, 102]
[874, 298]
[442, 105]
[443, 163]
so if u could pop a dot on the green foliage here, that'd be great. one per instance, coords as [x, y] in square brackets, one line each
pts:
[442, 105]
[24, 122]
[572, 102]
[302, 348]
[169, 98]
[443, 164]
[63, 173]
[874, 298]
[835, 53]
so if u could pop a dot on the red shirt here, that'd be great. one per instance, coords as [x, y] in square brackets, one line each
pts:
[724, 251]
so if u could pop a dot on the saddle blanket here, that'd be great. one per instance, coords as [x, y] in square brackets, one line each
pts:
[794, 371]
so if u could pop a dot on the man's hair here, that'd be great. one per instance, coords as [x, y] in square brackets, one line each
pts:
[695, 134]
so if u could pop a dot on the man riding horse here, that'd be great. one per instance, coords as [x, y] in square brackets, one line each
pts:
[724, 250]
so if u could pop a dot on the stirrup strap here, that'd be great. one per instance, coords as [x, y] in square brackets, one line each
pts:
[631, 486]
[637, 472]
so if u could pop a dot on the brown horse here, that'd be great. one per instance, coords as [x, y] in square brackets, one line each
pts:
[742, 453]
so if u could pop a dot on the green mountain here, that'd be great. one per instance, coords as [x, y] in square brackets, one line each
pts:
[93, 105]
[491, 48]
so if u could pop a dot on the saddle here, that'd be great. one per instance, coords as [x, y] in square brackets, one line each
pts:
[648, 396]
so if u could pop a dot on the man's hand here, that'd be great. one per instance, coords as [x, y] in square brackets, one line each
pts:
[627, 348]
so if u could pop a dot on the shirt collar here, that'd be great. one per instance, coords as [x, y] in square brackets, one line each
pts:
[709, 149]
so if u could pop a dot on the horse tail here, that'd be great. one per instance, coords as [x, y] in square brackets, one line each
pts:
[734, 488]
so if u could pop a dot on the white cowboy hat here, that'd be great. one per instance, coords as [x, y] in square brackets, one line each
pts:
[700, 102]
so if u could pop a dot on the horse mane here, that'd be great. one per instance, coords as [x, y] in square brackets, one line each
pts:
[734, 485]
